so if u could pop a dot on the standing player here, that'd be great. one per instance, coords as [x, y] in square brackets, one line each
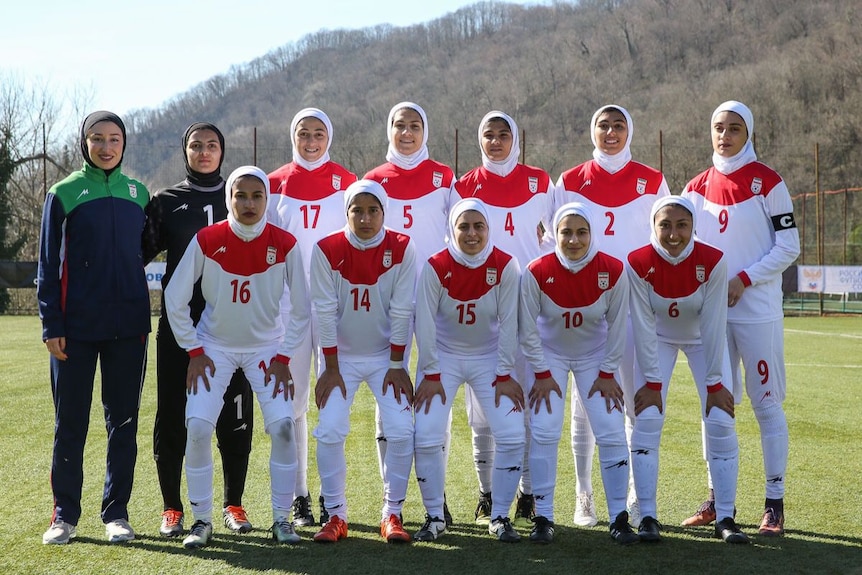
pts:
[95, 308]
[362, 284]
[619, 192]
[519, 202]
[307, 201]
[678, 303]
[467, 331]
[174, 216]
[419, 192]
[243, 265]
[574, 305]
[745, 210]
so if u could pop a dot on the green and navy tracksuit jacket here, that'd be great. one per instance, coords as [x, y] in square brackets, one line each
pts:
[91, 280]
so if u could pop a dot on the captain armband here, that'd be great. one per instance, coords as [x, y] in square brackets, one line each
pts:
[783, 222]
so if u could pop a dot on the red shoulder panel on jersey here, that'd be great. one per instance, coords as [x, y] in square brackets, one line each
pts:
[364, 267]
[513, 191]
[219, 244]
[582, 289]
[633, 181]
[310, 186]
[675, 281]
[411, 184]
[754, 179]
[465, 284]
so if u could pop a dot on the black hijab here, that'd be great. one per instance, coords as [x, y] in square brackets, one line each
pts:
[204, 180]
[87, 125]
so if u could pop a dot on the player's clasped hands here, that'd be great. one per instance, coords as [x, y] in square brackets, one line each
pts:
[541, 393]
[611, 391]
[280, 372]
[425, 392]
[57, 347]
[330, 379]
[722, 399]
[197, 371]
[511, 389]
[645, 397]
[401, 384]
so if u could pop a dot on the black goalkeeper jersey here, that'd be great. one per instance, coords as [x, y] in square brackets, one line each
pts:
[174, 216]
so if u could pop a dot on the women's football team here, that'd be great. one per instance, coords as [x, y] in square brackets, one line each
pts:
[532, 294]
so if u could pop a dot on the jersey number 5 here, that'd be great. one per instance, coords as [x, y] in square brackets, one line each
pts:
[408, 217]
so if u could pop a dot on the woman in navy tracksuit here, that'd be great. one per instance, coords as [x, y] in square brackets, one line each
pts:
[94, 306]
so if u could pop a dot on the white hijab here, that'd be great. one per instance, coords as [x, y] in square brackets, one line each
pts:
[376, 190]
[300, 116]
[501, 168]
[747, 154]
[575, 209]
[467, 260]
[653, 238]
[616, 162]
[410, 161]
[244, 232]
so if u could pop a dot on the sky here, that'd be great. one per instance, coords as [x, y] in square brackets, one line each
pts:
[135, 54]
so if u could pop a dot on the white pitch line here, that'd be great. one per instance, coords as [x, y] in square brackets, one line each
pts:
[804, 332]
[683, 359]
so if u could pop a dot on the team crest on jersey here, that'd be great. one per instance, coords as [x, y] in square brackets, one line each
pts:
[491, 276]
[700, 273]
[133, 190]
[270, 255]
[387, 258]
[437, 179]
[604, 280]
[336, 182]
[756, 185]
[641, 186]
[533, 182]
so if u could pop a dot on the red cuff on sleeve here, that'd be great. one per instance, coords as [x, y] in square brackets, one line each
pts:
[196, 352]
[714, 388]
[654, 385]
[543, 374]
[500, 379]
[746, 281]
[397, 348]
[282, 359]
[606, 375]
[432, 377]
[330, 350]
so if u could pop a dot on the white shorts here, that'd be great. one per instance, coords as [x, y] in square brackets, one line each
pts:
[207, 405]
[608, 428]
[523, 373]
[507, 424]
[760, 347]
[334, 419]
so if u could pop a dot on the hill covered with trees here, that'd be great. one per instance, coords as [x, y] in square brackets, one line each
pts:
[796, 63]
